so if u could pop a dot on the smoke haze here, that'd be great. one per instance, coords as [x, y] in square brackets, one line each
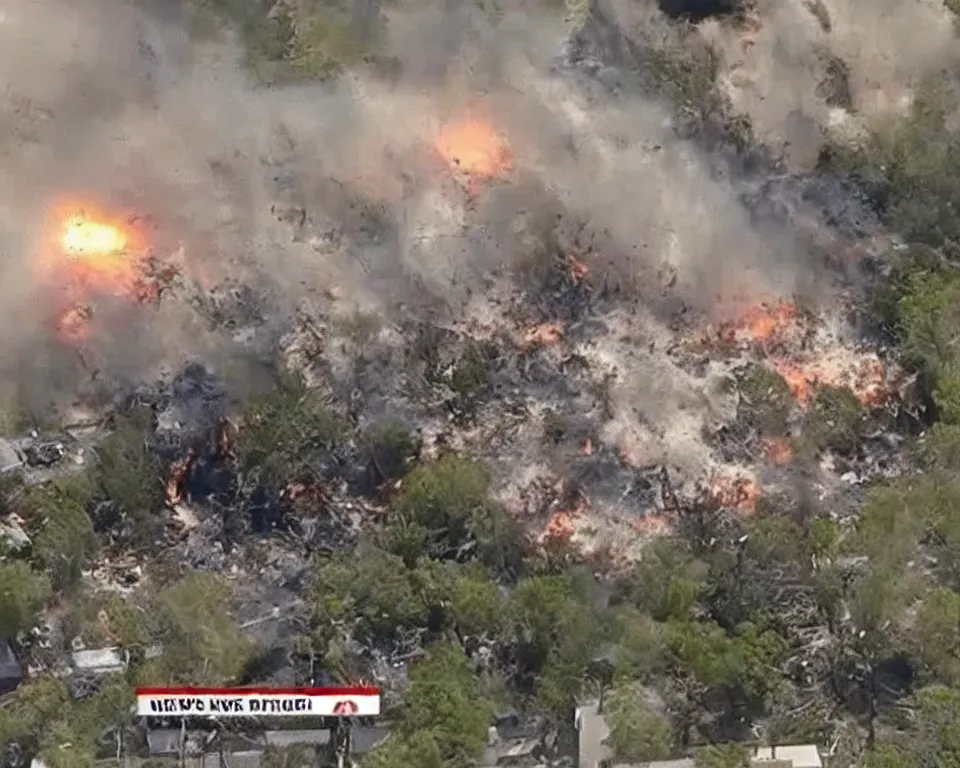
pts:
[336, 190]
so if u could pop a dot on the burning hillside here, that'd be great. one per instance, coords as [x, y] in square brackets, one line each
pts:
[438, 357]
[475, 152]
[92, 256]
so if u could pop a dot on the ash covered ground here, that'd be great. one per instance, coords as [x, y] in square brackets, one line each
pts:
[528, 301]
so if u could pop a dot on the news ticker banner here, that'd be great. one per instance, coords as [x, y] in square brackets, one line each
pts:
[258, 702]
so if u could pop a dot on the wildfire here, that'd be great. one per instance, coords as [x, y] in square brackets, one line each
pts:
[88, 255]
[99, 252]
[769, 321]
[83, 237]
[733, 491]
[73, 324]
[562, 526]
[864, 375]
[579, 272]
[563, 523]
[779, 451]
[178, 475]
[544, 335]
[476, 149]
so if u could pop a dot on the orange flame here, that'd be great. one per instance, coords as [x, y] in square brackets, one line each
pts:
[865, 376]
[73, 324]
[178, 474]
[579, 272]
[98, 252]
[563, 523]
[475, 148]
[88, 254]
[763, 324]
[733, 491]
[779, 451]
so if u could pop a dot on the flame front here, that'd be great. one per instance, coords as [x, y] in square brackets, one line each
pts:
[99, 254]
[83, 237]
[475, 148]
[178, 477]
[769, 321]
[88, 255]
[733, 491]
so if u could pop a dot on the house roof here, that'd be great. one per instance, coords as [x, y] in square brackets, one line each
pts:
[100, 660]
[801, 755]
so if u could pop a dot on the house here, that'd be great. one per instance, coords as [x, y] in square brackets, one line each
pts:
[102, 661]
[11, 673]
[592, 732]
[795, 756]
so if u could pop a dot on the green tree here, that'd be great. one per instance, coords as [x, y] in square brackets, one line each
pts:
[637, 733]
[445, 701]
[477, 603]
[722, 756]
[935, 739]
[833, 421]
[666, 582]
[447, 503]
[201, 642]
[131, 475]
[639, 645]
[405, 750]
[70, 740]
[60, 528]
[883, 755]
[39, 702]
[938, 633]
[23, 594]
[372, 592]
[283, 432]
[390, 447]
[766, 402]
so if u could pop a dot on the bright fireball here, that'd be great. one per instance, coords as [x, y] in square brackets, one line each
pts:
[84, 237]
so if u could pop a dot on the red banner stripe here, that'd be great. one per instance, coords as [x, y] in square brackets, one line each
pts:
[190, 691]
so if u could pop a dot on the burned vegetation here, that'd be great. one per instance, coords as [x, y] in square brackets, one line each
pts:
[569, 477]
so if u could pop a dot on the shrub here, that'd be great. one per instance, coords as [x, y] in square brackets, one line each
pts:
[61, 530]
[23, 594]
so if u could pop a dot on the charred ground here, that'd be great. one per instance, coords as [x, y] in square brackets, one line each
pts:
[582, 388]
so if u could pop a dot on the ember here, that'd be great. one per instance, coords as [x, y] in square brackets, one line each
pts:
[578, 270]
[178, 476]
[651, 524]
[779, 451]
[476, 149]
[561, 526]
[72, 325]
[733, 491]
[864, 375]
[563, 523]
[543, 335]
[764, 324]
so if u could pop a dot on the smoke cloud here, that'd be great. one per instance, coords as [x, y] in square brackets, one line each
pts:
[335, 192]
